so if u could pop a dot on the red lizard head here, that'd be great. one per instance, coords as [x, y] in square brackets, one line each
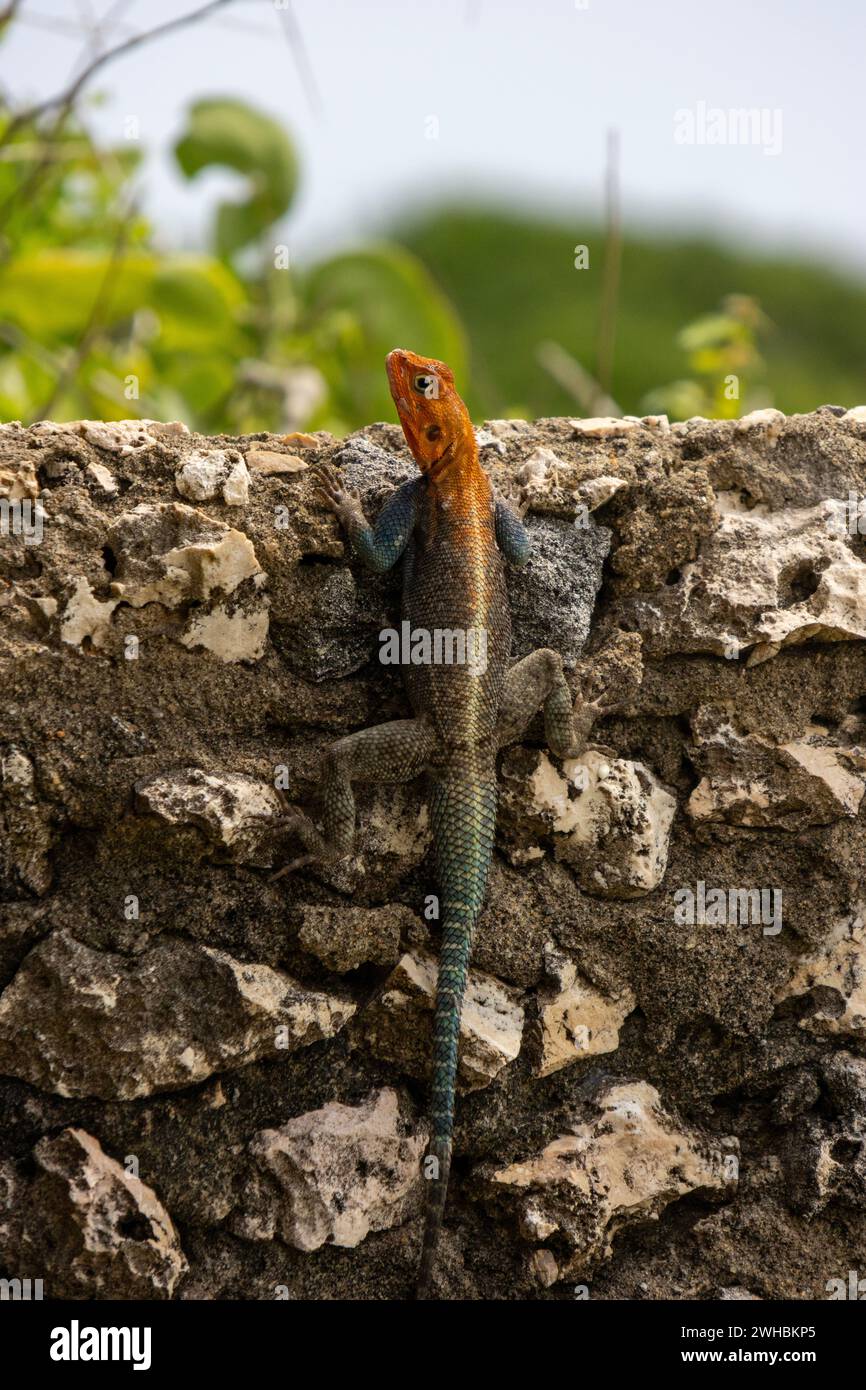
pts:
[435, 421]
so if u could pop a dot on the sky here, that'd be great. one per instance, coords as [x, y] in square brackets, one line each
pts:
[408, 101]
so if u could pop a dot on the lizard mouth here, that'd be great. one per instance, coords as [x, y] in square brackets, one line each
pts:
[435, 468]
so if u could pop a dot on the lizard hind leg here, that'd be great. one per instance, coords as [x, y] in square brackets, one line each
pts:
[538, 682]
[394, 752]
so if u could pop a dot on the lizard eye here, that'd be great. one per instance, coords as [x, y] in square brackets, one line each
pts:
[433, 432]
[427, 385]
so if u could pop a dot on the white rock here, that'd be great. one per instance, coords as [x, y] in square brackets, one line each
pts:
[171, 554]
[750, 780]
[762, 580]
[103, 477]
[223, 807]
[603, 427]
[596, 491]
[626, 1165]
[856, 415]
[16, 770]
[661, 423]
[543, 1268]
[269, 462]
[397, 1025]
[768, 422]
[123, 436]
[94, 1229]
[508, 429]
[609, 818]
[86, 616]
[238, 636]
[202, 474]
[485, 439]
[19, 482]
[540, 467]
[334, 1175]
[236, 488]
[578, 1021]
[839, 964]
[121, 1027]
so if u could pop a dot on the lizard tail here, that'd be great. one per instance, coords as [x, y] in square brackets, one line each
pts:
[463, 815]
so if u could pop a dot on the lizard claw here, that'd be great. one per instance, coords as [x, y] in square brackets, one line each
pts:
[293, 819]
[341, 500]
[519, 500]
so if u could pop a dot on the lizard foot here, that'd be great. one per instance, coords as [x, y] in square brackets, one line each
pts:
[344, 502]
[291, 819]
[519, 500]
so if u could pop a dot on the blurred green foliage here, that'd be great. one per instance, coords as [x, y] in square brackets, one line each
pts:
[98, 319]
[722, 354]
[514, 280]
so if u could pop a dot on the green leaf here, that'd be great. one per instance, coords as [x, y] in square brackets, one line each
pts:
[231, 134]
[369, 302]
[713, 330]
[197, 300]
[50, 294]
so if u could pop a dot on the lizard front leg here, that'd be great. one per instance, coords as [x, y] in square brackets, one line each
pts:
[538, 682]
[394, 752]
[379, 546]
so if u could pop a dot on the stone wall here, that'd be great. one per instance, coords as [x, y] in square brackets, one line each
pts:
[212, 1084]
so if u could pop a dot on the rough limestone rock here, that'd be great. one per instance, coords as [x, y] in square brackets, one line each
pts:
[232, 810]
[65, 1017]
[345, 938]
[270, 461]
[168, 660]
[176, 556]
[765, 579]
[86, 1226]
[844, 1074]
[552, 600]
[172, 554]
[575, 1020]
[206, 474]
[26, 834]
[398, 1025]
[751, 780]
[835, 976]
[625, 1165]
[608, 818]
[334, 1175]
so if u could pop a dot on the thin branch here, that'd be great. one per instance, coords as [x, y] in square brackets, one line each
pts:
[295, 40]
[26, 152]
[67, 28]
[65, 101]
[568, 373]
[9, 11]
[95, 319]
[612, 264]
[13, 337]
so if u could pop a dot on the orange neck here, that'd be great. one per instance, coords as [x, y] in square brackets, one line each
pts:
[459, 478]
